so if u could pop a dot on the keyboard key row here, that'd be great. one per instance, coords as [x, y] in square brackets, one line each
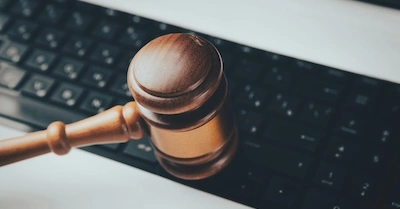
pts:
[265, 190]
[22, 30]
[66, 68]
[39, 86]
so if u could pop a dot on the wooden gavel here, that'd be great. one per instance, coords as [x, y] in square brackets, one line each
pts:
[180, 94]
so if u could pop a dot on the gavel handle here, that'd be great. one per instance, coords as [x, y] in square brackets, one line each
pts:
[115, 125]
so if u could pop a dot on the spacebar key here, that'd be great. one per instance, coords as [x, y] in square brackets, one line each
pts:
[289, 162]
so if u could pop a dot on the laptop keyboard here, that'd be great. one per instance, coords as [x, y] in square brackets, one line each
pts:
[310, 136]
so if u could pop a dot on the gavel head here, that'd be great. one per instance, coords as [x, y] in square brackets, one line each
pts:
[180, 89]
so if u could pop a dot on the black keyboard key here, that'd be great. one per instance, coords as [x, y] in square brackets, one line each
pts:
[282, 192]
[383, 136]
[279, 78]
[365, 187]
[342, 150]
[335, 75]
[392, 201]
[294, 135]
[369, 83]
[374, 159]
[68, 68]
[316, 88]
[141, 149]
[232, 86]
[38, 86]
[78, 21]
[120, 87]
[111, 13]
[331, 176]
[105, 29]
[13, 52]
[10, 76]
[105, 54]
[4, 4]
[164, 28]
[52, 14]
[87, 7]
[305, 67]
[134, 37]
[361, 100]
[291, 163]
[249, 121]
[96, 77]
[248, 70]
[22, 30]
[50, 38]
[77, 46]
[96, 102]
[40, 60]
[350, 125]
[125, 60]
[247, 51]
[67, 94]
[390, 109]
[250, 186]
[4, 21]
[25, 8]
[140, 21]
[277, 59]
[316, 199]
[316, 114]
[364, 95]
[62, 2]
[284, 105]
[251, 96]
[220, 44]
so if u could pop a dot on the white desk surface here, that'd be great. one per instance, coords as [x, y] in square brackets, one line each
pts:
[348, 35]
[84, 180]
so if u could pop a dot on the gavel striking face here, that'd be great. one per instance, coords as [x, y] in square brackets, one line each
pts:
[181, 101]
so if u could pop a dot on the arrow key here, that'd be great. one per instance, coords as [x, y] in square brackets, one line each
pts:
[141, 149]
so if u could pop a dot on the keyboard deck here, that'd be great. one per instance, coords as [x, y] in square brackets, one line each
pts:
[310, 136]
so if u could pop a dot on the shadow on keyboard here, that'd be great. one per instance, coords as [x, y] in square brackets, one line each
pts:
[310, 136]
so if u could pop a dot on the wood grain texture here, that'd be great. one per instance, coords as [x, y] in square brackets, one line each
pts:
[178, 83]
[118, 124]
[175, 73]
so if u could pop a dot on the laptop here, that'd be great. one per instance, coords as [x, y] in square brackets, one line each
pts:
[353, 46]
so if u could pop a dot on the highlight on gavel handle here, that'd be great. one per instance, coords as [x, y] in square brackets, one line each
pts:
[115, 125]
